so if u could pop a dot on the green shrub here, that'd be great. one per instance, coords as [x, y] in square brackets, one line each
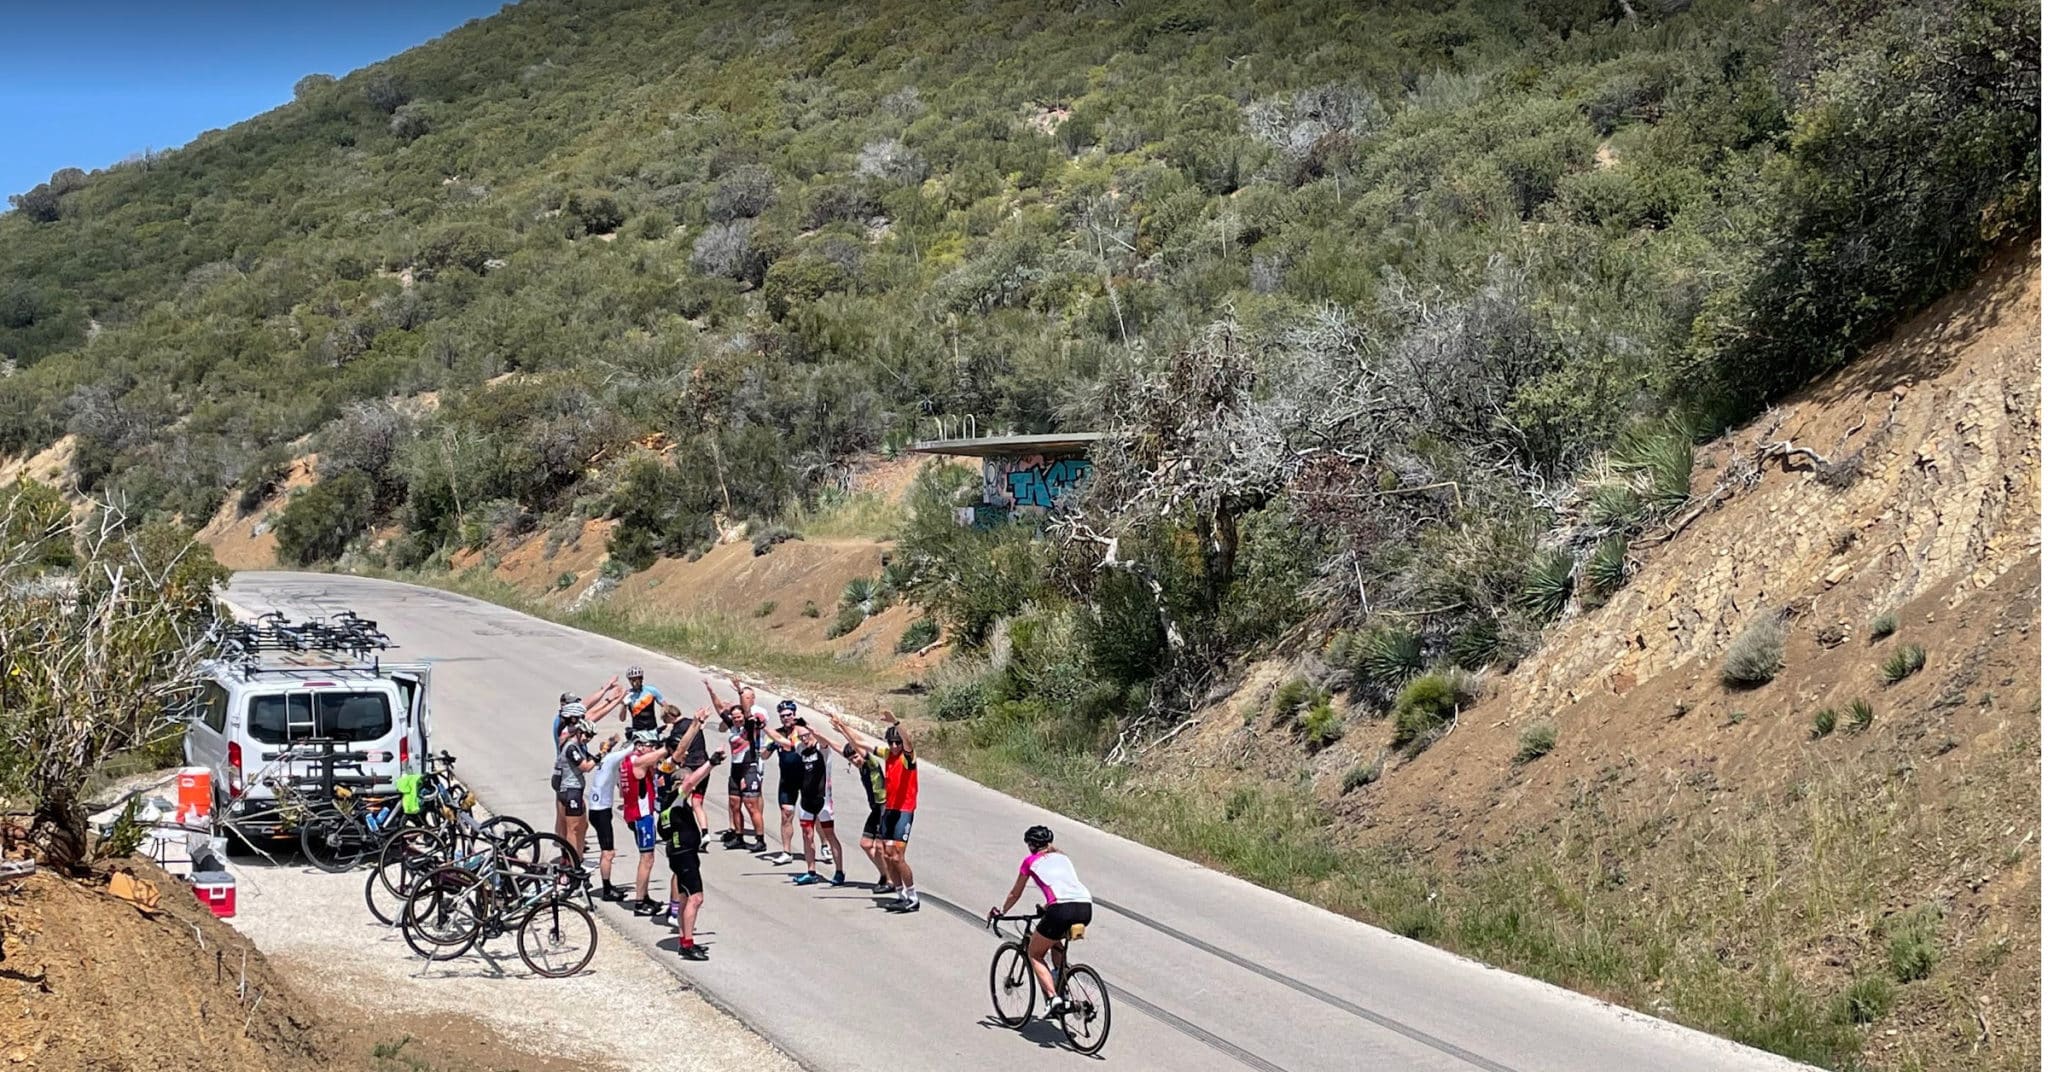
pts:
[318, 523]
[1757, 654]
[765, 537]
[1364, 774]
[1424, 706]
[1866, 1000]
[846, 621]
[916, 635]
[810, 609]
[565, 579]
[1292, 695]
[766, 608]
[1320, 724]
[963, 687]
[1913, 943]
[1883, 626]
[1860, 715]
[1535, 742]
[1547, 588]
[1823, 722]
[1905, 661]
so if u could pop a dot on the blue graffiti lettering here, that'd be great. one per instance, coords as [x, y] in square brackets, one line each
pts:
[1042, 485]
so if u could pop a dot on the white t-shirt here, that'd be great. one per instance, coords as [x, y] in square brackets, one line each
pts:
[602, 784]
[1054, 875]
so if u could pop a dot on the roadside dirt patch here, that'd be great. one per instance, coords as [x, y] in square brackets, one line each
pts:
[315, 927]
[89, 981]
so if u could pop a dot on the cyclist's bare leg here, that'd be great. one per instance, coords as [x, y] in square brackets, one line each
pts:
[788, 824]
[686, 927]
[873, 849]
[732, 811]
[810, 845]
[831, 836]
[754, 812]
[1040, 946]
[646, 872]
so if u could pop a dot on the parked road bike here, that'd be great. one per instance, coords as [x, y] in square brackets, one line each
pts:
[489, 893]
[1014, 989]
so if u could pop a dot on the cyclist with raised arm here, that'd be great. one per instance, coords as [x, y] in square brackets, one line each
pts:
[1067, 906]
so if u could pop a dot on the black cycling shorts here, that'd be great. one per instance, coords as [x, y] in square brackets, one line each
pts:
[896, 825]
[689, 878]
[1061, 915]
[786, 791]
[872, 829]
[746, 782]
[601, 822]
[571, 801]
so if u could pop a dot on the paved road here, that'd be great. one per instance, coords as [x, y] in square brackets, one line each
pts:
[1210, 972]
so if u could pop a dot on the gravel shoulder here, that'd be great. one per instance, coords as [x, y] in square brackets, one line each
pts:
[315, 928]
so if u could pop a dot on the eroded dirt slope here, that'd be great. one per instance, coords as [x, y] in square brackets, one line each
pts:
[1724, 819]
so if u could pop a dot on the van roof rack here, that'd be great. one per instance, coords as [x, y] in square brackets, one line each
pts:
[345, 636]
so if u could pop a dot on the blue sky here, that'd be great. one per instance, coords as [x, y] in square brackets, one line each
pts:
[87, 83]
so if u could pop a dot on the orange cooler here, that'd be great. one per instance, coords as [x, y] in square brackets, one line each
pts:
[195, 795]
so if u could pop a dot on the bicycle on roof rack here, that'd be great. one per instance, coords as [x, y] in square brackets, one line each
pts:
[347, 634]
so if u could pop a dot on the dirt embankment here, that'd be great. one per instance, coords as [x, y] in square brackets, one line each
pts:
[1733, 810]
[90, 981]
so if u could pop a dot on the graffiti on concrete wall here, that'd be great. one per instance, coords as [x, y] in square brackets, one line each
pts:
[1032, 480]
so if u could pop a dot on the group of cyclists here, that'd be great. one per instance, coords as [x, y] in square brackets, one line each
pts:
[651, 775]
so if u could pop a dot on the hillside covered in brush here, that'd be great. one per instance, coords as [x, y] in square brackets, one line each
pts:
[1411, 307]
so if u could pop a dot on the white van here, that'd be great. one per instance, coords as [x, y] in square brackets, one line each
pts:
[250, 717]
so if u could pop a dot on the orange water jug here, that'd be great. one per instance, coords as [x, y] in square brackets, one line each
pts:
[195, 796]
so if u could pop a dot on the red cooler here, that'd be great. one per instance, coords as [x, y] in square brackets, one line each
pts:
[215, 890]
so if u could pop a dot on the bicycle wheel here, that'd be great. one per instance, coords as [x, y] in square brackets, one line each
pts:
[505, 829]
[386, 903]
[404, 858]
[1010, 986]
[337, 844]
[542, 850]
[444, 914]
[557, 939]
[1086, 1021]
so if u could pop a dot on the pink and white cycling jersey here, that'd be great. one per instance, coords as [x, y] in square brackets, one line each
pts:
[1054, 875]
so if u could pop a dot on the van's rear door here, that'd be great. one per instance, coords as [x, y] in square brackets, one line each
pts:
[412, 680]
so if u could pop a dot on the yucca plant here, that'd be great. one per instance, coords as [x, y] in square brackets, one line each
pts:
[1612, 504]
[1606, 569]
[1661, 456]
[1386, 656]
[1477, 644]
[1547, 589]
[1905, 661]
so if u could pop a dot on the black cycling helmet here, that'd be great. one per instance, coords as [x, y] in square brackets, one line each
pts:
[1038, 837]
[786, 707]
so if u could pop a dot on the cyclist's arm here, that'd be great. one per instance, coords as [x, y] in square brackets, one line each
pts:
[695, 778]
[908, 749]
[860, 751]
[1016, 891]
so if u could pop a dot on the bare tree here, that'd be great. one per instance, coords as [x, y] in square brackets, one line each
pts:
[94, 661]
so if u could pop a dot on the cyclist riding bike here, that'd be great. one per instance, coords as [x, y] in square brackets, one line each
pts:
[1067, 906]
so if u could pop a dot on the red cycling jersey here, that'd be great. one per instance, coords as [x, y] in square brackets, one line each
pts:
[638, 789]
[900, 783]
